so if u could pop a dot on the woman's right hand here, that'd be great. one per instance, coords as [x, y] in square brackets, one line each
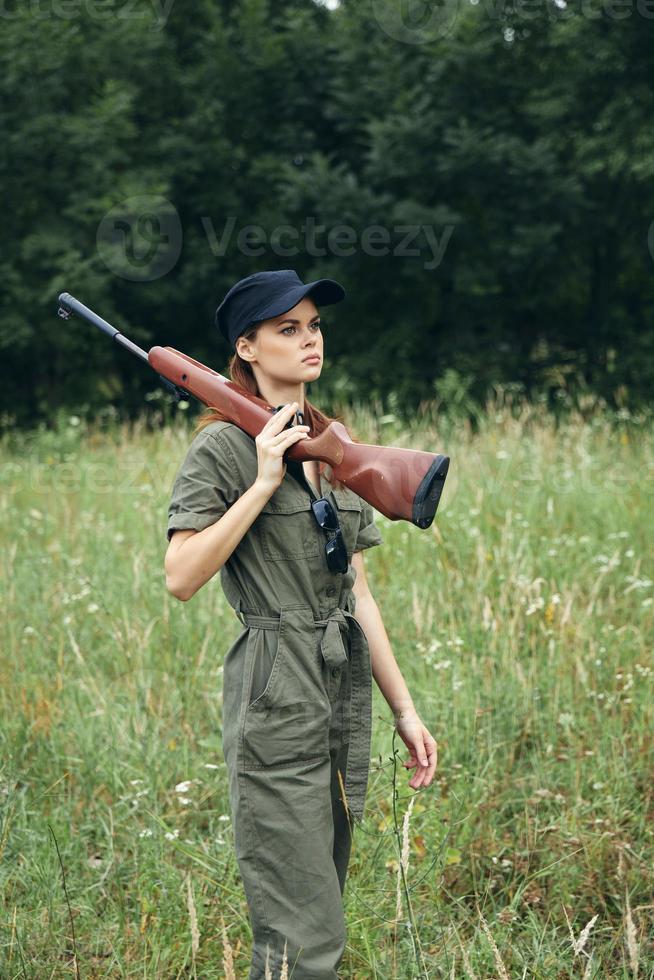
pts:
[273, 441]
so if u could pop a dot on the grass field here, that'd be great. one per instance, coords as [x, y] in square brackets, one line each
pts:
[523, 623]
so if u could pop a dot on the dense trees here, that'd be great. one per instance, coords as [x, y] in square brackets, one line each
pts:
[481, 183]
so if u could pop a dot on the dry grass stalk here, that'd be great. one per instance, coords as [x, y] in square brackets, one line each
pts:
[499, 962]
[343, 794]
[404, 859]
[620, 863]
[588, 972]
[572, 935]
[467, 965]
[579, 944]
[417, 609]
[630, 936]
[284, 971]
[193, 918]
[228, 954]
[284, 974]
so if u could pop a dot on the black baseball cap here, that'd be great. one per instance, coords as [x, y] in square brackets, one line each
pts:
[267, 294]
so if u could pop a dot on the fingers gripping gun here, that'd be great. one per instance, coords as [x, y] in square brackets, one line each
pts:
[402, 484]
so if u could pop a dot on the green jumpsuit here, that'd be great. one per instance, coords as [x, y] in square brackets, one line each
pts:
[296, 699]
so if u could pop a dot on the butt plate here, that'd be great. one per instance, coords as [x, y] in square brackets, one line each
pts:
[429, 492]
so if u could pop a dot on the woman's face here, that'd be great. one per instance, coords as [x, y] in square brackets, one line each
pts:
[283, 343]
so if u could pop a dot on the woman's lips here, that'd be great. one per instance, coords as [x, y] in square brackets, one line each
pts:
[311, 358]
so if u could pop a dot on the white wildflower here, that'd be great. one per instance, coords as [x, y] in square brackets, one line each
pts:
[637, 583]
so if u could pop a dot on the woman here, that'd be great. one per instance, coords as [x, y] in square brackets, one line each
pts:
[297, 681]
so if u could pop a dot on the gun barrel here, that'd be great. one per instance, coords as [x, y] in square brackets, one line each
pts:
[68, 304]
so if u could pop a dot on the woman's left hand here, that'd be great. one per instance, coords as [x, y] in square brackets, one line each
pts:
[422, 747]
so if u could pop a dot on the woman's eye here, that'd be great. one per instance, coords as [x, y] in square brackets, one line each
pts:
[316, 325]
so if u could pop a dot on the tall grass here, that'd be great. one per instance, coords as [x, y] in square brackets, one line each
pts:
[522, 620]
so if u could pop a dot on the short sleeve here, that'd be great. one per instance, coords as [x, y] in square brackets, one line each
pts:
[204, 487]
[369, 534]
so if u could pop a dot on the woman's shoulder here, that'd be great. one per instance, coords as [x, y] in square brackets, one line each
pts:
[225, 432]
[232, 450]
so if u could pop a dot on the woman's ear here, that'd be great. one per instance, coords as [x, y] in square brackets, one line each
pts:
[243, 350]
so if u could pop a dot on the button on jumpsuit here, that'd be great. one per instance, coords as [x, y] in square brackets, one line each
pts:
[296, 700]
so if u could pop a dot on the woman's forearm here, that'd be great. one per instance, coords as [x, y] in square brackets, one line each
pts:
[385, 670]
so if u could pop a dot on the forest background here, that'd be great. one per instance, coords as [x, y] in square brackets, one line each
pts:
[478, 176]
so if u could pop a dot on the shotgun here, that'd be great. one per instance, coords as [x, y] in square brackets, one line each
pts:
[402, 484]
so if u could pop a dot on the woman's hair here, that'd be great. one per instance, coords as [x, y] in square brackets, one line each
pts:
[241, 373]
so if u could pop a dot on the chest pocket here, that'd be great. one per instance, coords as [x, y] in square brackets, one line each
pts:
[288, 529]
[349, 516]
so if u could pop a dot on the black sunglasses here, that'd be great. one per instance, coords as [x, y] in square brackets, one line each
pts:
[335, 549]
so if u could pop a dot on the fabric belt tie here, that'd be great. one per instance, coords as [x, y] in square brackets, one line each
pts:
[334, 653]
